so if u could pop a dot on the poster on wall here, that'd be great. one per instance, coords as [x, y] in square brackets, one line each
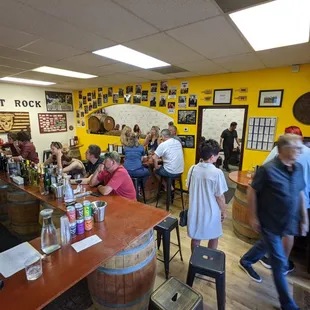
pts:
[182, 101]
[115, 98]
[127, 98]
[187, 141]
[86, 109]
[100, 92]
[153, 101]
[162, 101]
[93, 94]
[99, 101]
[153, 88]
[94, 104]
[80, 94]
[137, 99]
[84, 100]
[89, 97]
[184, 87]
[105, 98]
[52, 122]
[172, 92]
[171, 107]
[14, 121]
[58, 101]
[110, 91]
[145, 95]
[192, 101]
[138, 89]
[129, 89]
[80, 105]
[121, 92]
[163, 86]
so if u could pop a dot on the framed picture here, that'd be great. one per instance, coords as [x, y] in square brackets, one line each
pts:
[110, 147]
[58, 101]
[222, 96]
[187, 117]
[188, 141]
[270, 98]
[120, 149]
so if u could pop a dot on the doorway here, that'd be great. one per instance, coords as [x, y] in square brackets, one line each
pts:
[212, 120]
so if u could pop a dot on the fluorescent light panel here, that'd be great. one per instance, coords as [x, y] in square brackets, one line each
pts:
[25, 81]
[275, 24]
[129, 56]
[62, 72]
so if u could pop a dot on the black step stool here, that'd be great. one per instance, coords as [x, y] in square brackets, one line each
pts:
[163, 230]
[136, 182]
[175, 295]
[210, 263]
[170, 194]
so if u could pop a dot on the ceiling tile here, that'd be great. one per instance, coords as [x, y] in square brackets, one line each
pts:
[9, 70]
[104, 18]
[212, 38]
[172, 13]
[165, 48]
[204, 67]
[147, 74]
[182, 74]
[286, 56]
[17, 64]
[54, 50]
[25, 18]
[116, 68]
[13, 38]
[237, 63]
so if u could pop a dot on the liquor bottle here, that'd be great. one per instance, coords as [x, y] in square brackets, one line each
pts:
[23, 173]
[34, 175]
[47, 180]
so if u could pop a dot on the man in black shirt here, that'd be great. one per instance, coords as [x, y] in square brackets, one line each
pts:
[93, 156]
[227, 143]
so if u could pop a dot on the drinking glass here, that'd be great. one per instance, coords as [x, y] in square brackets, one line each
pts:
[64, 230]
[78, 180]
[33, 267]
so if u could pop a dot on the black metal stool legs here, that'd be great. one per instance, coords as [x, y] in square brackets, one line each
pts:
[220, 292]
[166, 241]
[179, 241]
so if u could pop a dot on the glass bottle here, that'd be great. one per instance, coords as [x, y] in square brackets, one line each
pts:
[47, 180]
[68, 191]
[49, 240]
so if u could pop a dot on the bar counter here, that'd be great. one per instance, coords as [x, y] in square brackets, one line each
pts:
[125, 221]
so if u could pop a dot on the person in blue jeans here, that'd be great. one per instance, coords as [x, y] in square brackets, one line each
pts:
[134, 153]
[276, 209]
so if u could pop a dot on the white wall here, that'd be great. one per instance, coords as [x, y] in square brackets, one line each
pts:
[214, 121]
[131, 114]
[11, 92]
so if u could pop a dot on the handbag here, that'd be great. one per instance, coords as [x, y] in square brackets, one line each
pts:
[184, 212]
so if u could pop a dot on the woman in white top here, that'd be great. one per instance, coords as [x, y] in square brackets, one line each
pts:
[207, 207]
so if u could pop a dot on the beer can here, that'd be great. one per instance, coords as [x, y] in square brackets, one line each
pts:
[71, 214]
[72, 228]
[88, 223]
[79, 211]
[80, 227]
[87, 208]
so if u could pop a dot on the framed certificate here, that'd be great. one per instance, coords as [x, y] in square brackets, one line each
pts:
[222, 96]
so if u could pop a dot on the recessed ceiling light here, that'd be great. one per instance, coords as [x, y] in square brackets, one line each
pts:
[25, 81]
[131, 57]
[275, 24]
[57, 71]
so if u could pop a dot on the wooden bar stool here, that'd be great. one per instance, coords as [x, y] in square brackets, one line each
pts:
[170, 194]
[136, 183]
[163, 230]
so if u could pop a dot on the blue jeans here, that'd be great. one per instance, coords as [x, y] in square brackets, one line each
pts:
[272, 244]
[140, 173]
[164, 173]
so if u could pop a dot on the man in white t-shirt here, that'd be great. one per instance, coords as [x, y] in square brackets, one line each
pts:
[171, 153]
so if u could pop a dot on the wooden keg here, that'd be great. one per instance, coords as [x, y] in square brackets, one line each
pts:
[240, 216]
[24, 214]
[94, 124]
[4, 187]
[74, 152]
[151, 186]
[56, 215]
[107, 123]
[126, 280]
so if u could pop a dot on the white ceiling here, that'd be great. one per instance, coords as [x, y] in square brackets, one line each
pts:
[195, 35]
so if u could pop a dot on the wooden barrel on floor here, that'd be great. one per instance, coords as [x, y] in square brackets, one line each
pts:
[240, 217]
[56, 215]
[23, 214]
[126, 280]
[4, 187]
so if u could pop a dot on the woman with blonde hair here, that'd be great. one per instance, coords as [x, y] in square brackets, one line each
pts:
[126, 131]
[152, 140]
[68, 164]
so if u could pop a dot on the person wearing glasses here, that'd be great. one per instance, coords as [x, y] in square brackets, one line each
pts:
[112, 178]
[93, 156]
[276, 209]
[304, 160]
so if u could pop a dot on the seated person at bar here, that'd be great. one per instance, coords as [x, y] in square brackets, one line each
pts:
[134, 153]
[171, 153]
[12, 144]
[173, 131]
[27, 148]
[152, 139]
[137, 130]
[126, 131]
[114, 177]
[93, 156]
[68, 164]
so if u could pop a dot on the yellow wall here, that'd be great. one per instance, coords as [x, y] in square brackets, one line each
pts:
[294, 85]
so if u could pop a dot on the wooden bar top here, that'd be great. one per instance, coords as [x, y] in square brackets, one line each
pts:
[240, 177]
[125, 221]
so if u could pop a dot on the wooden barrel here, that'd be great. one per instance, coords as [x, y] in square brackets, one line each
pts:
[241, 218]
[24, 214]
[94, 124]
[126, 280]
[151, 186]
[107, 123]
[75, 152]
[4, 187]
[56, 215]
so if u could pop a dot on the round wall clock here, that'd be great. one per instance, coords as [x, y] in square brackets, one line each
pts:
[301, 109]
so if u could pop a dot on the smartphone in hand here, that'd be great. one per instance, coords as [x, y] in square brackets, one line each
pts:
[96, 194]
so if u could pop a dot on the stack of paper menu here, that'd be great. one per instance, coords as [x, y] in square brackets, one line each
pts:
[13, 260]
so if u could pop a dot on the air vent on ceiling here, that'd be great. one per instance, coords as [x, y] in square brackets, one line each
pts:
[168, 70]
[230, 6]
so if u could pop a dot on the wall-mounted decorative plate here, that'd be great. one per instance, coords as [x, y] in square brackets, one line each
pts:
[301, 109]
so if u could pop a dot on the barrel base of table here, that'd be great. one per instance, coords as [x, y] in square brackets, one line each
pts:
[242, 228]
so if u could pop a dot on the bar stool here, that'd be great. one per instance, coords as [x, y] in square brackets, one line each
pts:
[210, 263]
[46, 154]
[163, 230]
[175, 295]
[170, 194]
[136, 182]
